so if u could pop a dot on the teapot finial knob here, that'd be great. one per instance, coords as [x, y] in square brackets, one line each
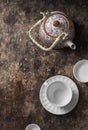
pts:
[56, 23]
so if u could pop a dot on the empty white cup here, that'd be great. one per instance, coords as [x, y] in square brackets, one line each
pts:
[59, 94]
[32, 127]
[80, 71]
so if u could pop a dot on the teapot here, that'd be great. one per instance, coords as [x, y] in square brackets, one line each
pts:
[56, 30]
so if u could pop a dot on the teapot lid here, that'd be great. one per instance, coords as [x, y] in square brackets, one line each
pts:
[55, 24]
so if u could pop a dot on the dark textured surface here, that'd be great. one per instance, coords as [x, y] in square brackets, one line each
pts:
[24, 67]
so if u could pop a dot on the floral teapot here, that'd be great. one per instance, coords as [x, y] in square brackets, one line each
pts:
[56, 29]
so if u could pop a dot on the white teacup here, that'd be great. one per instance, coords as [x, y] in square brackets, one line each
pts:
[80, 71]
[32, 127]
[59, 94]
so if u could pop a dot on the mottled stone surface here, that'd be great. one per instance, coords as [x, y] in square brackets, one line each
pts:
[24, 67]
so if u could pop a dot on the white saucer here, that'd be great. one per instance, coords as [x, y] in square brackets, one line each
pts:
[80, 71]
[32, 127]
[53, 108]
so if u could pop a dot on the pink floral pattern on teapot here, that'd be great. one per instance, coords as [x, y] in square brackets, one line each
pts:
[53, 26]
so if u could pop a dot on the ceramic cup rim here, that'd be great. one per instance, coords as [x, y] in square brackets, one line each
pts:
[59, 105]
[32, 124]
[75, 67]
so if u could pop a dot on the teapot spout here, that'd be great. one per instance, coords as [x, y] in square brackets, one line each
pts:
[70, 44]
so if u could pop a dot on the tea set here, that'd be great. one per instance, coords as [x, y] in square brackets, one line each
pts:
[58, 94]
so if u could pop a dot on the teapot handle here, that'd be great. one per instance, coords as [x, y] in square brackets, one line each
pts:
[61, 36]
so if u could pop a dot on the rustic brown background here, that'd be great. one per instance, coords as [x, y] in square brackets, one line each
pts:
[24, 67]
